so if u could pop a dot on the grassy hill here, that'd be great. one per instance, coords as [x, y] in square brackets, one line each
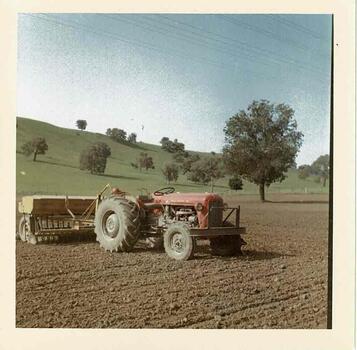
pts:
[57, 171]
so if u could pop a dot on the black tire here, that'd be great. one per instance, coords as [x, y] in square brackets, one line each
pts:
[117, 224]
[178, 243]
[23, 229]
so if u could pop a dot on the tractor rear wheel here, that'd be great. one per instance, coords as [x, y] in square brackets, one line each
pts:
[178, 243]
[117, 224]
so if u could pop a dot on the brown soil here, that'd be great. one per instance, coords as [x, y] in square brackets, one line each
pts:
[279, 282]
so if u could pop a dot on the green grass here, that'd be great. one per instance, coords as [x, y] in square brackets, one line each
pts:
[57, 171]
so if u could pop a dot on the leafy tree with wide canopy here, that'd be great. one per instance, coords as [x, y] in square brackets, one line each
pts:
[261, 143]
[81, 124]
[94, 158]
[37, 145]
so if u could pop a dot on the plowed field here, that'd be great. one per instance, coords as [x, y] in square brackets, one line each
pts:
[279, 282]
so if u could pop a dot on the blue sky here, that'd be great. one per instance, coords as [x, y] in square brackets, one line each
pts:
[180, 76]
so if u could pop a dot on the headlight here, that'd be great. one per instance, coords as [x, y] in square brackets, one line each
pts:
[199, 206]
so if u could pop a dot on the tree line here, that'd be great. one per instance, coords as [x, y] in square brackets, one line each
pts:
[115, 134]
[261, 144]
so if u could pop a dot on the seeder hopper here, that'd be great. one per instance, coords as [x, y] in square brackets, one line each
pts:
[46, 218]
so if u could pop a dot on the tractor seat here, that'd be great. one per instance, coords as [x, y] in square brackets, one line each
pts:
[144, 198]
[150, 206]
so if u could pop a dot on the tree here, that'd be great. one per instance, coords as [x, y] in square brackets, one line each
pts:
[304, 171]
[81, 124]
[172, 146]
[37, 145]
[170, 172]
[262, 143]
[180, 156]
[164, 141]
[206, 170]
[145, 161]
[235, 183]
[94, 158]
[187, 163]
[321, 168]
[178, 146]
[116, 134]
[132, 137]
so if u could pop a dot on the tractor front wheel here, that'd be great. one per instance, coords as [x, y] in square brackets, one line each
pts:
[178, 243]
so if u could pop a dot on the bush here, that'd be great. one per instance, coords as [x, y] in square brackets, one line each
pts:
[235, 183]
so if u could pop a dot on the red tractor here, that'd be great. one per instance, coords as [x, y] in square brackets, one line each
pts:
[177, 219]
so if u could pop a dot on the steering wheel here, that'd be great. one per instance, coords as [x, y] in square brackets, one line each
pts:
[163, 191]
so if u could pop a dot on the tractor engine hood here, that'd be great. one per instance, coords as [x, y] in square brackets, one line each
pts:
[191, 199]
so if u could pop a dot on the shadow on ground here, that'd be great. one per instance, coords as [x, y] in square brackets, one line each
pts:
[202, 251]
[56, 163]
[297, 202]
[262, 255]
[119, 177]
